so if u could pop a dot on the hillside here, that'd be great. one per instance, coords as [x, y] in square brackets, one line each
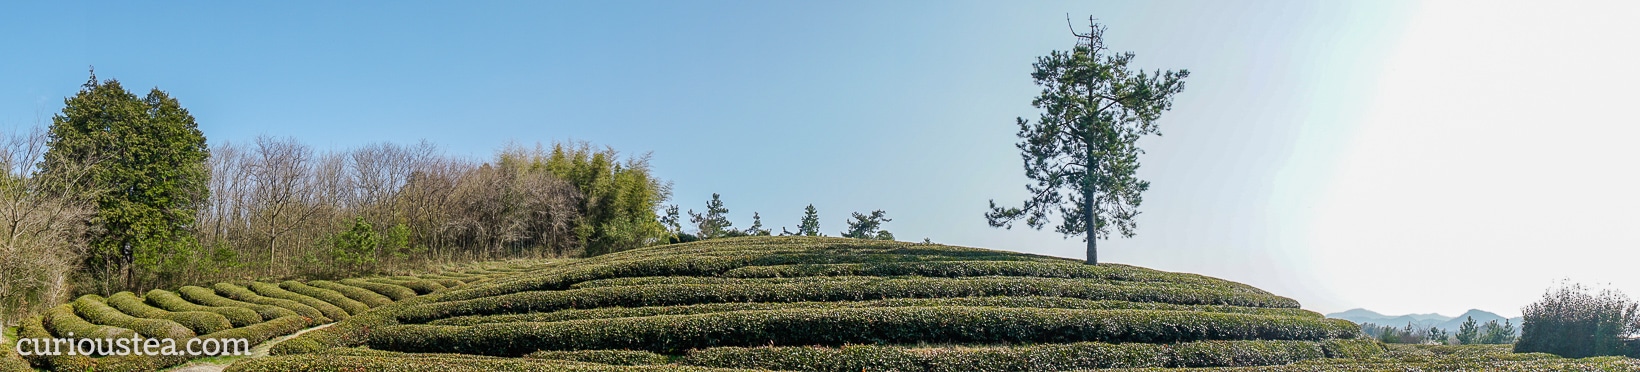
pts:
[792, 303]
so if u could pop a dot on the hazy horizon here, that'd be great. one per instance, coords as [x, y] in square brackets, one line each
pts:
[1403, 157]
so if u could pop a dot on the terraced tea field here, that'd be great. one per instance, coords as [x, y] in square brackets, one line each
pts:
[799, 304]
[255, 311]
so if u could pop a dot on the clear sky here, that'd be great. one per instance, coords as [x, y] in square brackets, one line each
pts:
[1399, 156]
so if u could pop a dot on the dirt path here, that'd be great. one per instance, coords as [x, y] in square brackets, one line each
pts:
[217, 364]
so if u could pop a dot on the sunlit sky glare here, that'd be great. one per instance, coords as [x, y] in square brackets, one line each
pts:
[1400, 156]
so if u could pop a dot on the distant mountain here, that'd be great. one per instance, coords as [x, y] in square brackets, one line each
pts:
[1450, 324]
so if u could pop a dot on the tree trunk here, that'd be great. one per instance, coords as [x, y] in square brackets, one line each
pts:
[1093, 238]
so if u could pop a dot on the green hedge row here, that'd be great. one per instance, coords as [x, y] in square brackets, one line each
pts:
[365, 296]
[208, 297]
[1044, 357]
[610, 357]
[411, 363]
[11, 362]
[200, 322]
[237, 316]
[674, 333]
[264, 331]
[353, 307]
[92, 309]
[1447, 363]
[392, 291]
[422, 287]
[594, 268]
[685, 294]
[238, 293]
[255, 334]
[62, 321]
[954, 269]
[329, 310]
[1027, 301]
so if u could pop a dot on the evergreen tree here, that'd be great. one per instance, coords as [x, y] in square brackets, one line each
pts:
[672, 221]
[1082, 153]
[1468, 333]
[715, 223]
[868, 226]
[757, 226]
[150, 157]
[810, 226]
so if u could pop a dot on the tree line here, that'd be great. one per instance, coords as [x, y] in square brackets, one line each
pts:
[122, 192]
[714, 223]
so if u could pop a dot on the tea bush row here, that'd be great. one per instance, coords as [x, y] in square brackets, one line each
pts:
[1026, 301]
[1044, 357]
[956, 269]
[201, 322]
[392, 291]
[238, 316]
[207, 297]
[411, 363]
[92, 309]
[674, 295]
[246, 295]
[329, 310]
[351, 306]
[900, 325]
[365, 296]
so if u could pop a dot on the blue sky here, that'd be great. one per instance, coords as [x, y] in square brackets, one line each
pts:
[1347, 154]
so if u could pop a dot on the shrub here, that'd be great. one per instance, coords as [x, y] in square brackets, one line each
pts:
[1352, 348]
[207, 297]
[92, 309]
[421, 287]
[675, 333]
[685, 294]
[237, 316]
[325, 308]
[62, 322]
[362, 295]
[610, 357]
[245, 294]
[956, 269]
[11, 362]
[320, 362]
[393, 291]
[261, 332]
[1042, 357]
[1027, 301]
[352, 306]
[200, 322]
[1571, 322]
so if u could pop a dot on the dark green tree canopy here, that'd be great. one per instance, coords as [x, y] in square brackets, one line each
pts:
[715, 222]
[810, 225]
[151, 160]
[869, 226]
[1082, 152]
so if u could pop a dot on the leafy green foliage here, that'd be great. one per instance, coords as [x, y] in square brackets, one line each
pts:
[361, 295]
[618, 211]
[356, 246]
[611, 357]
[201, 322]
[392, 291]
[239, 293]
[1082, 153]
[150, 157]
[237, 316]
[207, 297]
[1468, 332]
[351, 306]
[868, 226]
[326, 309]
[1572, 322]
[92, 309]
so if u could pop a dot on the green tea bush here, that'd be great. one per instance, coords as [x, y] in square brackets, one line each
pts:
[1026, 301]
[957, 269]
[361, 295]
[686, 294]
[392, 291]
[422, 287]
[11, 362]
[325, 308]
[92, 309]
[237, 316]
[1352, 348]
[610, 357]
[1240, 354]
[674, 333]
[353, 307]
[245, 294]
[62, 321]
[200, 322]
[207, 297]
[321, 362]
[1040, 357]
